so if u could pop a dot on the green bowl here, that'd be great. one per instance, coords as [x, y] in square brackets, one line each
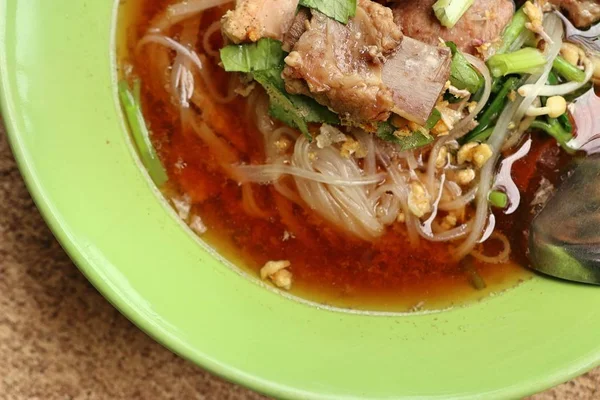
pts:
[58, 85]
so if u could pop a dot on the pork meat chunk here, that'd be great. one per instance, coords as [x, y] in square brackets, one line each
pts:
[341, 65]
[482, 23]
[252, 20]
[582, 13]
[297, 29]
[417, 74]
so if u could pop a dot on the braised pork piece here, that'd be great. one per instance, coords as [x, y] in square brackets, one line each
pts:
[582, 13]
[482, 23]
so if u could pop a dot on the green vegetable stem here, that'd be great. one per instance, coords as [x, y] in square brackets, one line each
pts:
[512, 31]
[449, 12]
[568, 71]
[524, 61]
[131, 103]
[491, 113]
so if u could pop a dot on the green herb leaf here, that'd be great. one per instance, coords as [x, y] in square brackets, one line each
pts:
[433, 119]
[262, 55]
[340, 10]
[264, 60]
[462, 75]
[293, 110]
[386, 131]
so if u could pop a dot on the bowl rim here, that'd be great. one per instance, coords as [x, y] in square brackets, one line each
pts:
[60, 228]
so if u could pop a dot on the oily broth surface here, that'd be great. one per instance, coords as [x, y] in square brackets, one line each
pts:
[328, 266]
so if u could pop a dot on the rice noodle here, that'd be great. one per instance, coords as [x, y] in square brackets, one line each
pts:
[211, 30]
[222, 151]
[502, 257]
[179, 12]
[182, 79]
[193, 57]
[271, 172]
[513, 113]
[459, 202]
[249, 203]
[360, 196]
[463, 126]
[447, 236]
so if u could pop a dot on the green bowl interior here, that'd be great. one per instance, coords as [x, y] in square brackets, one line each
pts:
[57, 77]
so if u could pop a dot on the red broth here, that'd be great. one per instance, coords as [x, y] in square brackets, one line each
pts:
[328, 266]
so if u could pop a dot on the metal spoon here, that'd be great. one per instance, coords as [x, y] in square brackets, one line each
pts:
[589, 39]
[564, 238]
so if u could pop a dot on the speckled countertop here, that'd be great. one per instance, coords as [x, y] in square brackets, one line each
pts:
[59, 339]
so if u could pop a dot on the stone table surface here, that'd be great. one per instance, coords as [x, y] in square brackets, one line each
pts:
[59, 339]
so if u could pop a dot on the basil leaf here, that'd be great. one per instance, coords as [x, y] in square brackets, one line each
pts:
[386, 131]
[262, 55]
[264, 60]
[415, 140]
[293, 110]
[340, 10]
[434, 118]
[462, 75]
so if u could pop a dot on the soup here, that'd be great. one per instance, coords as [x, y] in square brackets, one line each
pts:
[364, 196]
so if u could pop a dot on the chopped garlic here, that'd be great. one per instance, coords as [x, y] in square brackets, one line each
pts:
[294, 59]
[449, 222]
[440, 129]
[482, 154]
[329, 135]
[484, 49]
[276, 271]
[442, 158]
[282, 279]
[512, 96]
[283, 144]
[465, 176]
[458, 92]
[352, 147]
[401, 218]
[182, 205]
[475, 153]
[449, 115]
[571, 53]
[419, 201]
[536, 17]
[465, 153]
[471, 106]
[197, 225]
[414, 127]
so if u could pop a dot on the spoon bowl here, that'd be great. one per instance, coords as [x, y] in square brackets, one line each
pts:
[564, 239]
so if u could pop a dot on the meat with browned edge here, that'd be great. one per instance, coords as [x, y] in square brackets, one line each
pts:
[255, 19]
[340, 65]
[582, 13]
[297, 29]
[482, 23]
[365, 70]
[417, 74]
